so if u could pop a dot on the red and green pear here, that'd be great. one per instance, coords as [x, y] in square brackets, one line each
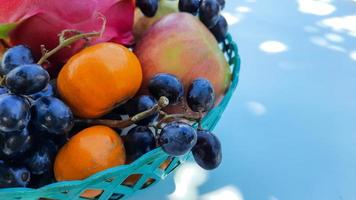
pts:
[181, 45]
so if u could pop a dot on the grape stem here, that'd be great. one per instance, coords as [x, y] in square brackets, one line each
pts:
[2, 80]
[4, 43]
[189, 117]
[162, 103]
[65, 42]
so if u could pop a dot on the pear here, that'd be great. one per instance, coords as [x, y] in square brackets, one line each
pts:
[181, 45]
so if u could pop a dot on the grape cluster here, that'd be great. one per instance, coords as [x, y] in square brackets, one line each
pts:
[209, 14]
[207, 10]
[32, 120]
[176, 137]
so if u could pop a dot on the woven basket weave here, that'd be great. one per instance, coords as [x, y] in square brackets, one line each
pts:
[110, 184]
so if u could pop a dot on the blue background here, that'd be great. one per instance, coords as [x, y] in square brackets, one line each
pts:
[289, 132]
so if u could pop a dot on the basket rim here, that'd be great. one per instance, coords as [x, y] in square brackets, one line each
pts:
[143, 159]
[236, 63]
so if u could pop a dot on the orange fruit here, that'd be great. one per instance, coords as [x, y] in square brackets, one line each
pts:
[90, 151]
[165, 164]
[132, 180]
[97, 78]
[91, 194]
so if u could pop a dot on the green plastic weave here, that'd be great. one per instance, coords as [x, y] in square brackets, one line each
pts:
[111, 181]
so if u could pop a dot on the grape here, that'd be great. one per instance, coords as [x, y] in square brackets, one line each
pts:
[14, 145]
[15, 56]
[59, 140]
[143, 103]
[38, 181]
[115, 114]
[207, 152]
[209, 12]
[166, 85]
[201, 96]
[220, 29]
[48, 91]
[14, 113]
[148, 7]
[41, 160]
[53, 83]
[27, 79]
[13, 176]
[3, 90]
[222, 4]
[138, 141]
[51, 115]
[129, 107]
[177, 138]
[190, 6]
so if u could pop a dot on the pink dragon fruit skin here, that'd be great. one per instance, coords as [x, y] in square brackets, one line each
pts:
[40, 21]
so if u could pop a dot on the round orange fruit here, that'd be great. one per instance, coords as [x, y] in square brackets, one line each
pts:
[99, 77]
[92, 150]
[132, 180]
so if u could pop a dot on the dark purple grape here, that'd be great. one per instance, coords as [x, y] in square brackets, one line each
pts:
[46, 92]
[40, 161]
[14, 57]
[148, 7]
[220, 29]
[177, 138]
[209, 12]
[201, 96]
[143, 103]
[43, 136]
[58, 140]
[14, 145]
[53, 83]
[38, 181]
[138, 141]
[14, 113]
[120, 110]
[190, 6]
[27, 79]
[207, 152]
[115, 114]
[129, 107]
[51, 115]
[166, 85]
[222, 4]
[3, 90]
[13, 176]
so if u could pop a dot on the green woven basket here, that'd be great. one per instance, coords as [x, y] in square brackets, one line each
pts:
[110, 184]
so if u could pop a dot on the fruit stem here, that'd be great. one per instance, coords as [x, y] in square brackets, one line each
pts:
[190, 117]
[65, 43]
[4, 43]
[162, 103]
[2, 80]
